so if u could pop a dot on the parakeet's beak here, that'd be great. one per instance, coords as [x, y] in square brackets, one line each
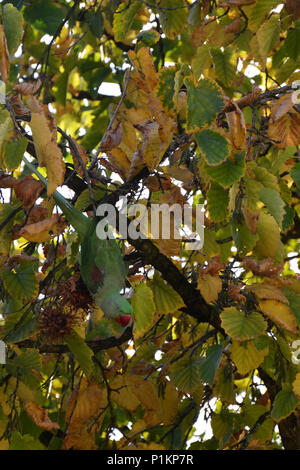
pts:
[123, 320]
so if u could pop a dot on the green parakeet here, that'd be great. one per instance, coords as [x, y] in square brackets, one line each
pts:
[102, 267]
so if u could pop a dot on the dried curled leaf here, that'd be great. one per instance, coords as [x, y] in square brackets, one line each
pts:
[27, 89]
[40, 416]
[26, 189]
[264, 268]
[112, 138]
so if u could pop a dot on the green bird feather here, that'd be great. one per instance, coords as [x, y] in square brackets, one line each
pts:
[102, 266]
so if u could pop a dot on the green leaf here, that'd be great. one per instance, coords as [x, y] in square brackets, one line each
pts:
[124, 18]
[25, 442]
[29, 359]
[82, 353]
[20, 282]
[294, 303]
[204, 102]
[165, 297]
[225, 65]
[267, 37]
[252, 190]
[44, 15]
[292, 43]
[23, 331]
[264, 176]
[143, 309]
[6, 210]
[282, 157]
[244, 240]
[284, 404]
[208, 368]
[96, 25]
[201, 60]
[242, 327]
[149, 37]
[259, 12]
[13, 27]
[271, 198]
[295, 174]
[172, 21]
[229, 171]
[166, 86]
[14, 151]
[213, 145]
[217, 202]
[184, 373]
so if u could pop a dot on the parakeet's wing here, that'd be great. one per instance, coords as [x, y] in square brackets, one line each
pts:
[101, 266]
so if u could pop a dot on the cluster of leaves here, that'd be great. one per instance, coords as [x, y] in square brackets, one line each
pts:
[206, 114]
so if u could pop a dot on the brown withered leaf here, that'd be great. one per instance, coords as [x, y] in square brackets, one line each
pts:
[83, 156]
[281, 107]
[43, 230]
[234, 292]
[7, 181]
[37, 214]
[293, 8]
[234, 27]
[285, 131]
[28, 190]
[4, 56]
[214, 266]
[137, 164]
[112, 138]
[18, 106]
[158, 182]
[264, 268]
[234, 3]
[27, 88]
[245, 100]
[237, 127]
[40, 416]
[180, 174]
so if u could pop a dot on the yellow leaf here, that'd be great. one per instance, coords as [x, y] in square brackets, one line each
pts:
[143, 309]
[166, 298]
[4, 444]
[168, 405]
[269, 291]
[43, 230]
[145, 391]
[122, 395]
[48, 152]
[119, 161]
[296, 385]
[209, 286]
[269, 235]
[4, 56]
[280, 314]
[246, 356]
[85, 402]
